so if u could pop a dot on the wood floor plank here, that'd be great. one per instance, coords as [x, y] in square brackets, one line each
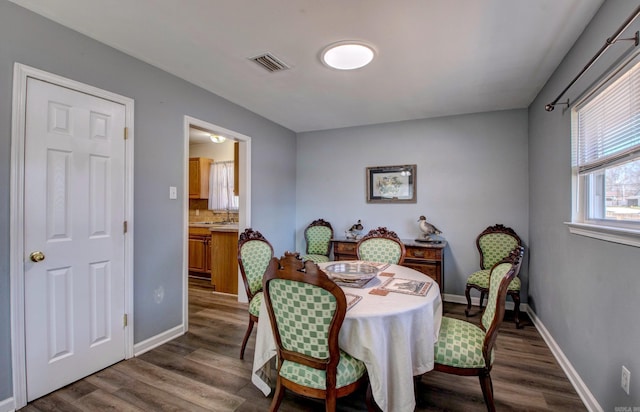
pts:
[220, 379]
[180, 386]
[200, 371]
[101, 400]
[149, 398]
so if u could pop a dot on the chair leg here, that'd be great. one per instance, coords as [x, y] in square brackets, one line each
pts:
[330, 402]
[516, 308]
[372, 406]
[482, 293]
[467, 293]
[277, 397]
[487, 391]
[246, 336]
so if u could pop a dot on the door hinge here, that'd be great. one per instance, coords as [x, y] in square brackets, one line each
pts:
[126, 133]
[125, 226]
[125, 320]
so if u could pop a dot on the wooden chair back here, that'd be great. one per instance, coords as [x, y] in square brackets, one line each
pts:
[495, 243]
[381, 245]
[254, 254]
[306, 310]
[501, 275]
[318, 237]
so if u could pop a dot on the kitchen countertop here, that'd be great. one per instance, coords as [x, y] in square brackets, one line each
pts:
[216, 227]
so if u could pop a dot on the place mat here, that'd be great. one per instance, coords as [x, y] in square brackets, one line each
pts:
[407, 286]
[379, 292]
[352, 300]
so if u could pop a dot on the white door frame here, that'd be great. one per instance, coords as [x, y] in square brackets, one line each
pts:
[17, 255]
[244, 206]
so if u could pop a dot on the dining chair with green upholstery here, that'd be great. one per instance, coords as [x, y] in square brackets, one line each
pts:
[494, 244]
[318, 238]
[381, 245]
[254, 253]
[306, 310]
[467, 350]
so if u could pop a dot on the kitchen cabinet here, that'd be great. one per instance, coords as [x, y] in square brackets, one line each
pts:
[200, 251]
[224, 263]
[199, 177]
[427, 258]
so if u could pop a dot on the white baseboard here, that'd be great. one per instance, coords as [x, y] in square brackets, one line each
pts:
[585, 394]
[475, 301]
[7, 405]
[155, 341]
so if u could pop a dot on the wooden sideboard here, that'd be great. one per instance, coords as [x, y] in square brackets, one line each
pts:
[427, 258]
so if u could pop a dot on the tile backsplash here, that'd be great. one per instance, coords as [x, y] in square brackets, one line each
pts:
[198, 212]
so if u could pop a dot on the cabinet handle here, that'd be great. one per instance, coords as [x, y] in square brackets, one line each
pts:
[418, 253]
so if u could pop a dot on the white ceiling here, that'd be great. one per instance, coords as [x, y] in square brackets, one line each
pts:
[434, 57]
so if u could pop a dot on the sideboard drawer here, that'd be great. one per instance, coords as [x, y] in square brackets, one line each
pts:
[343, 247]
[423, 253]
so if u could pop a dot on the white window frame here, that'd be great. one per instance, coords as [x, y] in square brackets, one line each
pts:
[623, 232]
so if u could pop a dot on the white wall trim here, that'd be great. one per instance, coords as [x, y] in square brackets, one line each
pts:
[155, 341]
[475, 301]
[16, 243]
[585, 394]
[625, 236]
[7, 405]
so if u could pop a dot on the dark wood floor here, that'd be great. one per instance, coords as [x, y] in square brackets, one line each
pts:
[200, 371]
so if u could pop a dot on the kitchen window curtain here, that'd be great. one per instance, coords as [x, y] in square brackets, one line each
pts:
[221, 195]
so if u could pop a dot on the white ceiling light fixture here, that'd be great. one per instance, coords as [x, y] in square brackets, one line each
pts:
[347, 55]
[217, 138]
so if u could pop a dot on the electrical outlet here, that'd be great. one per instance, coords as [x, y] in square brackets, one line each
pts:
[626, 379]
[173, 192]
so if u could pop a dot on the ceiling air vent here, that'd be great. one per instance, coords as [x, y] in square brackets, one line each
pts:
[270, 63]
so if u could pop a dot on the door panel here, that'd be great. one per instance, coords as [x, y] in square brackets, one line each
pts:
[73, 214]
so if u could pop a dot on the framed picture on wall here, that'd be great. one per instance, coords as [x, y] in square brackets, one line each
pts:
[391, 184]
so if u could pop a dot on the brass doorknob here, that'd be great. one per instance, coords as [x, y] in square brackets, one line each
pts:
[36, 256]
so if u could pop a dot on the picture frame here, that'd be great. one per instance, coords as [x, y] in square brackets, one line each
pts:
[391, 184]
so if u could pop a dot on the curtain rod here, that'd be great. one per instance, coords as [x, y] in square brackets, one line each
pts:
[636, 38]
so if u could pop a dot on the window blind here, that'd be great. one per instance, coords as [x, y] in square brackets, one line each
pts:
[609, 124]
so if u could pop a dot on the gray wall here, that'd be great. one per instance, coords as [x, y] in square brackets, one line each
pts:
[472, 173]
[581, 288]
[161, 101]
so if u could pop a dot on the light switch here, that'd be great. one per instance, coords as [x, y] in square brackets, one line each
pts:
[173, 192]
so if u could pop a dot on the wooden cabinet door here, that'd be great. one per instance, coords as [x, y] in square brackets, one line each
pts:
[198, 254]
[199, 177]
[224, 262]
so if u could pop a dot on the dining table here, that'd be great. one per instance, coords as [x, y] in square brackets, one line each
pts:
[392, 330]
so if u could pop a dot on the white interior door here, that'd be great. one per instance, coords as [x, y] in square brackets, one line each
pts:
[74, 212]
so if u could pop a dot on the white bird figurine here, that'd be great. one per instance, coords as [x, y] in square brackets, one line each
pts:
[357, 227]
[354, 231]
[427, 229]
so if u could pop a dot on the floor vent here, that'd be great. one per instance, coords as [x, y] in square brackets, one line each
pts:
[270, 63]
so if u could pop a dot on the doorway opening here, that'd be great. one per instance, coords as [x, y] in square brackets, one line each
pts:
[216, 159]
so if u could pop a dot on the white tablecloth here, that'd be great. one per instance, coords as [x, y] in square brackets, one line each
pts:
[394, 335]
